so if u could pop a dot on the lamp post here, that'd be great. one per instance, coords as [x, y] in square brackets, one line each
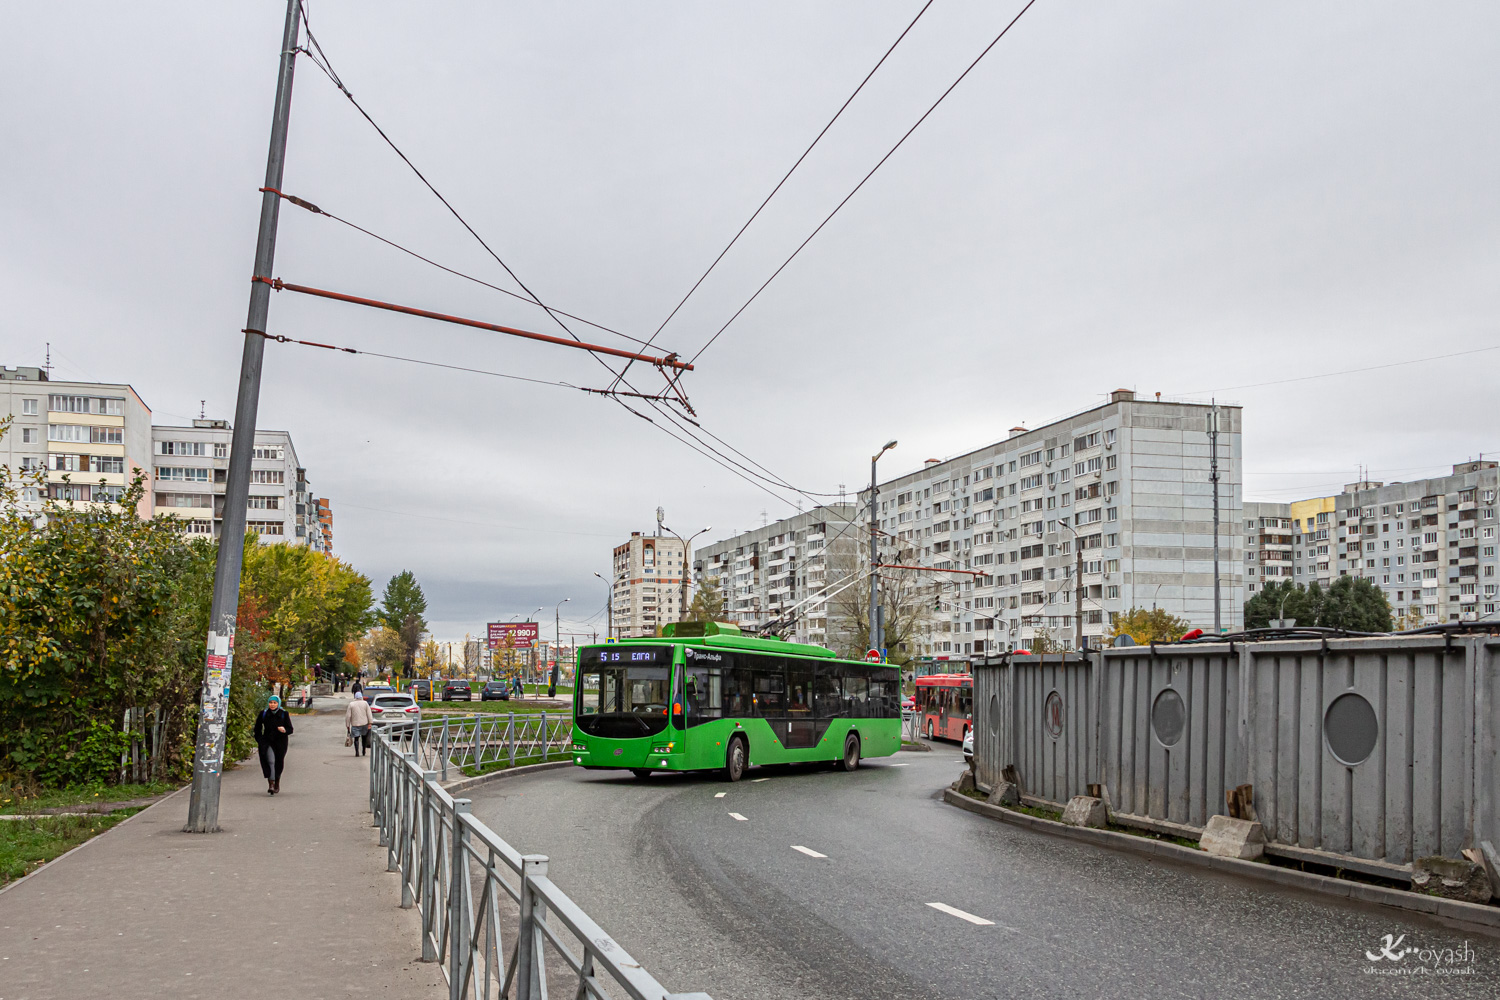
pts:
[532, 669]
[557, 652]
[687, 544]
[877, 625]
[609, 607]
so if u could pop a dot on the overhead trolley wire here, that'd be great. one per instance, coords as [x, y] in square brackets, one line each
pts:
[785, 177]
[320, 59]
[867, 176]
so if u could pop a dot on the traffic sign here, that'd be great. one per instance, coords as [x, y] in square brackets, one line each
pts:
[873, 656]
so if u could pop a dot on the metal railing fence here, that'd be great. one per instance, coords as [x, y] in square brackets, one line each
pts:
[460, 876]
[474, 742]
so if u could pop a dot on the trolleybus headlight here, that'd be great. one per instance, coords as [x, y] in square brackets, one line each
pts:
[661, 749]
[579, 748]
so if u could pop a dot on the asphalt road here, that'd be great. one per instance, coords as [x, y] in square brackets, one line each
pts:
[707, 901]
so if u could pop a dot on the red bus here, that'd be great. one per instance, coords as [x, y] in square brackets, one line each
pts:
[945, 705]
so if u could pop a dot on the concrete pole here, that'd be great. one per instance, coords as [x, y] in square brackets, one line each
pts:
[1213, 463]
[208, 753]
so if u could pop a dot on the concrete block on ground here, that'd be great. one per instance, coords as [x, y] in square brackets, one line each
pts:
[1491, 860]
[1450, 878]
[965, 783]
[1084, 810]
[1004, 794]
[1233, 838]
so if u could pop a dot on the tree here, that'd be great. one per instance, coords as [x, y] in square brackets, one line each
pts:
[402, 607]
[708, 602]
[1413, 618]
[1352, 603]
[383, 647]
[1356, 604]
[1042, 642]
[1149, 625]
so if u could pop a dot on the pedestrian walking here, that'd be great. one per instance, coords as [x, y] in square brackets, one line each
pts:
[357, 720]
[356, 687]
[272, 728]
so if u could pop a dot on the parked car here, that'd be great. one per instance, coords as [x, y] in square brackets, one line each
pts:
[457, 691]
[908, 704]
[393, 707]
[420, 690]
[372, 691]
[495, 691]
[969, 746]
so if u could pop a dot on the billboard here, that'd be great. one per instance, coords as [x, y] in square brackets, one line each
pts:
[522, 634]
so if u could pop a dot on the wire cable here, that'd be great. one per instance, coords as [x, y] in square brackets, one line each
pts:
[785, 177]
[867, 176]
[1347, 371]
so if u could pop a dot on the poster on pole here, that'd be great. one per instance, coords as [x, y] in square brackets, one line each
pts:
[522, 635]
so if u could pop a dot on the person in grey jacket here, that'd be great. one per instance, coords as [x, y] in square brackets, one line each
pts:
[357, 720]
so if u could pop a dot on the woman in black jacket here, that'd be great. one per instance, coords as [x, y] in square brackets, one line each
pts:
[272, 727]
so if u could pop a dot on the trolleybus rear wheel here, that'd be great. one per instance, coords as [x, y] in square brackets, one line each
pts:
[850, 760]
[736, 759]
[929, 729]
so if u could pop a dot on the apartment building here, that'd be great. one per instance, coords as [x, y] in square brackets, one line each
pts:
[1429, 544]
[88, 438]
[646, 584]
[803, 567]
[191, 468]
[1127, 482]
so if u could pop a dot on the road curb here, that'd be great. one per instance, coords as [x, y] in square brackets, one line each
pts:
[1472, 915]
[464, 784]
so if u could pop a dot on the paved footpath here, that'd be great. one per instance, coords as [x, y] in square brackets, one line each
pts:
[291, 899]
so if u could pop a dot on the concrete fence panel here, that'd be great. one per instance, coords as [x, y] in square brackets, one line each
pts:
[1364, 747]
[1169, 744]
[1039, 714]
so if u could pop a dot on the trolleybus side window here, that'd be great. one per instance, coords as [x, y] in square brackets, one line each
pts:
[828, 699]
[799, 688]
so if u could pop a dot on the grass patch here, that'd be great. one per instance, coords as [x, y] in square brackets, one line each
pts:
[504, 765]
[907, 745]
[18, 800]
[27, 844]
[1153, 835]
[492, 708]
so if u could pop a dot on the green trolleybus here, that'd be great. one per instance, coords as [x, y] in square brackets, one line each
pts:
[704, 697]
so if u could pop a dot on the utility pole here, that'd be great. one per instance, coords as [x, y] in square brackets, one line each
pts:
[877, 630]
[1213, 476]
[1078, 596]
[208, 752]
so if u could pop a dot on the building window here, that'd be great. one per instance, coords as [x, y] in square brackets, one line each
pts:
[266, 527]
[221, 451]
[182, 448]
[29, 435]
[28, 407]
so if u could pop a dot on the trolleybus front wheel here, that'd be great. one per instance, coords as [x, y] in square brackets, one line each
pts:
[736, 759]
[641, 773]
[850, 760]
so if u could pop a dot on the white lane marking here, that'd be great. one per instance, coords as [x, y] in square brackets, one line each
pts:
[738, 817]
[718, 795]
[960, 914]
[808, 851]
[907, 764]
[759, 779]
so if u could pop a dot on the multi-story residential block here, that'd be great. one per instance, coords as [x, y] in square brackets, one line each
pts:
[1270, 552]
[795, 567]
[91, 438]
[647, 582]
[192, 465]
[1429, 545]
[1128, 483]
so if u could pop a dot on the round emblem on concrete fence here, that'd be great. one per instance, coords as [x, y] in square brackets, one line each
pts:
[1168, 717]
[994, 715]
[1052, 715]
[1351, 729]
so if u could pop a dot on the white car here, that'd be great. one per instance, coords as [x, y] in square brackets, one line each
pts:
[390, 708]
[969, 745]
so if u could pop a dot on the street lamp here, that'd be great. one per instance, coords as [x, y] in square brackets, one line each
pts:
[531, 618]
[687, 544]
[556, 654]
[609, 607]
[877, 626]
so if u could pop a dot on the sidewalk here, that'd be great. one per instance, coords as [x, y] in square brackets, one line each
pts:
[291, 899]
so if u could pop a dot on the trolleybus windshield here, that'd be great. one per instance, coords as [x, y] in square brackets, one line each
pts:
[624, 691]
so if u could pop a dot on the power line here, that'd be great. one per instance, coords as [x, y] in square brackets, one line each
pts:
[785, 177]
[1347, 371]
[867, 176]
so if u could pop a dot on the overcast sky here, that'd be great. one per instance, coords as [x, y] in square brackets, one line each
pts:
[1178, 197]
